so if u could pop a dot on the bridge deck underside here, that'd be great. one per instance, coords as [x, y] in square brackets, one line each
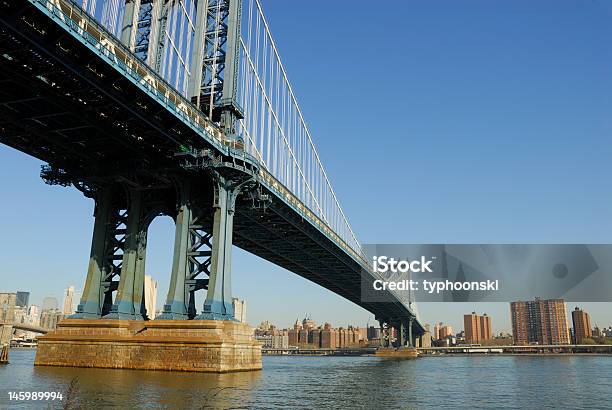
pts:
[60, 103]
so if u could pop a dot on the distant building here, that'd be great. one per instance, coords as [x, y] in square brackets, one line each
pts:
[539, 321]
[23, 299]
[436, 331]
[477, 328]
[293, 334]
[373, 333]
[425, 339]
[8, 301]
[50, 318]
[49, 303]
[446, 331]
[270, 341]
[582, 325]
[68, 301]
[239, 309]
[150, 296]
[308, 323]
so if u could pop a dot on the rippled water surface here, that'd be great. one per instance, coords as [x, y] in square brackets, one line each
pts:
[330, 382]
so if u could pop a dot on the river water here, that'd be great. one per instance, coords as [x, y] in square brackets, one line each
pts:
[329, 382]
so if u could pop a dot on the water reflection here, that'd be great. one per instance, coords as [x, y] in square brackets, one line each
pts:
[331, 382]
[156, 389]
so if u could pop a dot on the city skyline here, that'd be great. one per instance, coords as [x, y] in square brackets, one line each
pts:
[449, 323]
[501, 190]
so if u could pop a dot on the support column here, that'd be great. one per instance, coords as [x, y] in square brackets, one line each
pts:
[105, 257]
[218, 303]
[410, 340]
[402, 334]
[129, 303]
[384, 334]
[192, 252]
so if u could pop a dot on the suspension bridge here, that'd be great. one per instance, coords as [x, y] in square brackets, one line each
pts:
[179, 108]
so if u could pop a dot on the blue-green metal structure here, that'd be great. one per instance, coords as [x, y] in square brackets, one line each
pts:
[164, 107]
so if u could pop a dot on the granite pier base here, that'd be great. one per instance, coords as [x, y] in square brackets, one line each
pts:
[174, 345]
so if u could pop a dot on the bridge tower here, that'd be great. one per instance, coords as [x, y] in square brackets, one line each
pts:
[124, 212]
[200, 195]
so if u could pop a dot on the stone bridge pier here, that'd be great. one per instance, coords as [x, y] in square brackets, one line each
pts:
[397, 338]
[111, 327]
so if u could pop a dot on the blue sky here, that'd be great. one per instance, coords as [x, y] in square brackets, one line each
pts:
[437, 121]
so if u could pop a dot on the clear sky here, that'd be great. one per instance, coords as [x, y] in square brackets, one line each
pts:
[438, 122]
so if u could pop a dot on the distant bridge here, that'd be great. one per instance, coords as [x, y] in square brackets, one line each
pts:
[179, 108]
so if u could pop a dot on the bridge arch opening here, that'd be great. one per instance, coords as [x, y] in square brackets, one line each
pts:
[158, 267]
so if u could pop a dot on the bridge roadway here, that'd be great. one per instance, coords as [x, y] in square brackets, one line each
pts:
[72, 96]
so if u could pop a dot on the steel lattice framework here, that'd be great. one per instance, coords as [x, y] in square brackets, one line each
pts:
[203, 77]
[256, 91]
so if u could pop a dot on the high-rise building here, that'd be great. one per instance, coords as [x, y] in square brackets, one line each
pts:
[308, 323]
[240, 308]
[373, 333]
[49, 303]
[446, 331]
[436, 331]
[68, 301]
[471, 326]
[486, 330]
[539, 321]
[477, 328]
[150, 295]
[23, 299]
[582, 325]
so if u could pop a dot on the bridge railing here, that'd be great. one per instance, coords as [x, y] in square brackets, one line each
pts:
[93, 33]
[274, 128]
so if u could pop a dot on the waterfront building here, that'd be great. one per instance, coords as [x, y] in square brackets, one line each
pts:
[436, 332]
[425, 339]
[308, 323]
[373, 333]
[539, 322]
[446, 331]
[303, 337]
[582, 325]
[273, 341]
[363, 334]
[314, 338]
[293, 334]
[477, 328]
